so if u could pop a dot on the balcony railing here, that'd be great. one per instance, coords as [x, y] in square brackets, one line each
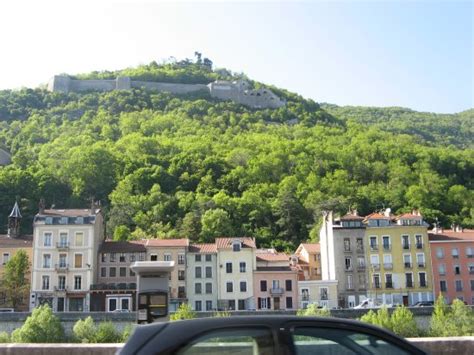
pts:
[277, 291]
[305, 297]
[112, 286]
[421, 264]
[407, 265]
[388, 266]
[406, 246]
[387, 247]
[409, 283]
[375, 266]
[62, 245]
[419, 245]
[388, 285]
[374, 247]
[61, 267]
[360, 267]
[60, 289]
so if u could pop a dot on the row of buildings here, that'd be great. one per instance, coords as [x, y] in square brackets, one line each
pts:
[393, 259]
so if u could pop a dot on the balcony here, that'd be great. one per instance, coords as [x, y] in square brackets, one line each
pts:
[60, 289]
[406, 246]
[407, 265]
[360, 267]
[419, 245]
[388, 266]
[347, 250]
[421, 264]
[375, 266]
[61, 267]
[62, 246]
[277, 291]
[387, 247]
[374, 247]
[111, 286]
[423, 284]
[409, 283]
[388, 285]
[305, 297]
[182, 295]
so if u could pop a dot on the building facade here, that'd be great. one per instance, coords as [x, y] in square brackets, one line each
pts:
[236, 264]
[309, 261]
[343, 257]
[275, 281]
[65, 248]
[116, 285]
[399, 258]
[452, 255]
[171, 250]
[201, 276]
[322, 293]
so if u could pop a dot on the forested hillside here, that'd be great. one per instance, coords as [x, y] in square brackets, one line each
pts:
[191, 166]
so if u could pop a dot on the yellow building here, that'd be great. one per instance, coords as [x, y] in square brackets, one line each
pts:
[399, 258]
[309, 261]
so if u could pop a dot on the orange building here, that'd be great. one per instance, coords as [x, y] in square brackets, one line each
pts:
[452, 256]
[308, 259]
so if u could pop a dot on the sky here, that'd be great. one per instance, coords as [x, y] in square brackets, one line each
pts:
[415, 54]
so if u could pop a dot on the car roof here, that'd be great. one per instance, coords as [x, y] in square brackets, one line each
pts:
[165, 337]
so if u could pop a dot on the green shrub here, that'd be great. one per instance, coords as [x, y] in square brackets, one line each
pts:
[184, 312]
[4, 337]
[127, 331]
[455, 320]
[403, 323]
[84, 330]
[221, 314]
[314, 311]
[41, 327]
[106, 333]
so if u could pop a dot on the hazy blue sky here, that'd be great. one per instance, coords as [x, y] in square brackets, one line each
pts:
[416, 54]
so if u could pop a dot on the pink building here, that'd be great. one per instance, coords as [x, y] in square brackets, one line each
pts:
[275, 282]
[452, 256]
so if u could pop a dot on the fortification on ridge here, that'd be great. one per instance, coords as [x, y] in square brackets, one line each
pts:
[237, 91]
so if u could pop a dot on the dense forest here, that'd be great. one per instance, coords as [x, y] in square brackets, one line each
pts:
[164, 165]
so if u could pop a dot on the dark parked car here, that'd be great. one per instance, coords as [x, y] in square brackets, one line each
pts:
[266, 335]
[424, 304]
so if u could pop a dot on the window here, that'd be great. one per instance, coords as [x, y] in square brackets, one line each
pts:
[347, 244]
[141, 256]
[242, 266]
[376, 281]
[470, 252]
[180, 259]
[405, 242]
[78, 261]
[361, 281]
[420, 260]
[47, 237]
[229, 286]
[387, 261]
[208, 287]
[132, 274]
[439, 253]
[112, 272]
[76, 305]
[123, 272]
[407, 260]
[122, 258]
[103, 272]
[373, 243]
[374, 261]
[455, 253]
[125, 303]
[350, 282]
[232, 305]
[305, 294]
[45, 284]
[198, 288]
[46, 261]
[458, 284]
[208, 272]
[228, 268]
[289, 302]
[181, 275]
[388, 281]
[197, 272]
[442, 269]
[472, 285]
[79, 220]
[63, 240]
[132, 257]
[61, 282]
[208, 305]
[275, 284]
[63, 220]
[470, 268]
[442, 285]
[181, 292]
[419, 241]
[422, 276]
[386, 242]
[288, 285]
[262, 303]
[112, 304]
[48, 220]
[198, 306]
[241, 305]
[167, 257]
[77, 282]
[197, 257]
[263, 285]
[236, 246]
[253, 340]
[361, 262]
[79, 239]
[348, 263]
[209, 258]
[153, 257]
[6, 258]
[60, 307]
[113, 257]
[359, 245]
[243, 286]
[323, 293]
[103, 257]
[457, 270]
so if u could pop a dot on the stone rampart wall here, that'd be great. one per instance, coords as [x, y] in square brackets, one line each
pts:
[169, 87]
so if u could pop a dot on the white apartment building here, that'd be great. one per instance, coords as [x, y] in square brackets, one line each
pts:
[65, 249]
[201, 276]
[236, 263]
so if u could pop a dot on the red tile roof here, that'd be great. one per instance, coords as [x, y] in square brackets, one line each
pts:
[224, 243]
[23, 241]
[466, 234]
[266, 255]
[351, 217]
[68, 212]
[311, 247]
[376, 215]
[409, 216]
[203, 248]
[183, 242]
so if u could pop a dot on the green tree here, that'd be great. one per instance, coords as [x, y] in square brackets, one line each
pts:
[15, 283]
[107, 333]
[121, 233]
[184, 312]
[215, 223]
[4, 337]
[41, 327]
[455, 320]
[85, 331]
[313, 311]
[403, 323]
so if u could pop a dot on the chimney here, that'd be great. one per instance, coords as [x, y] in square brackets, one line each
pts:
[41, 206]
[387, 212]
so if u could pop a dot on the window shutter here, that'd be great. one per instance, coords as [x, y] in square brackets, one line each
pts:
[259, 303]
[269, 305]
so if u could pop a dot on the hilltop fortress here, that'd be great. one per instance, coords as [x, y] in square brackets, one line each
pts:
[237, 91]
